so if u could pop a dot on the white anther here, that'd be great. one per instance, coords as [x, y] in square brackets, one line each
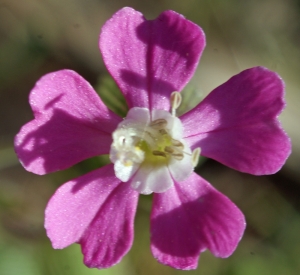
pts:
[175, 100]
[195, 156]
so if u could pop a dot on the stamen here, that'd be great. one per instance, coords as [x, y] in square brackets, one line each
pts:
[139, 142]
[175, 100]
[178, 156]
[158, 124]
[159, 153]
[169, 150]
[196, 156]
[163, 132]
[149, 134]
[177, 144]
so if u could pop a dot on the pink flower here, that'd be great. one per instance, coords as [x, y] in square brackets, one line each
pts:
[152, 150]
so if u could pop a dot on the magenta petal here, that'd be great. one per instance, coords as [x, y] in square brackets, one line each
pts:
[75, 204]
[237, 123]
[96, 210]
[150, 59]
[71, 124]
[110, 235]
[190, 218]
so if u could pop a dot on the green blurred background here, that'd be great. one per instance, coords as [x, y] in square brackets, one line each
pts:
[40, 36]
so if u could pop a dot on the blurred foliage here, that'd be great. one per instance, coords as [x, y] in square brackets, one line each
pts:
[40, 36]
[111, 95]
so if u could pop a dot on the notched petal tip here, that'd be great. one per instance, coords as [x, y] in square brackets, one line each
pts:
[239, 123]
[136, 51]
[203, 218]
[71, 124]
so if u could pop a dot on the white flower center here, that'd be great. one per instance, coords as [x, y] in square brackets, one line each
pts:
[150, 150]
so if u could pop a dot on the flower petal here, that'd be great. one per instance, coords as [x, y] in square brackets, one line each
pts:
[139, 115]
[182, 169]
[110, 235]
[150, 178]
[81, 211]
[75, 204]
[150, 59]
[190, 218]
[71, 124]
[124, 172]
[237, 124]
[174, 125]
